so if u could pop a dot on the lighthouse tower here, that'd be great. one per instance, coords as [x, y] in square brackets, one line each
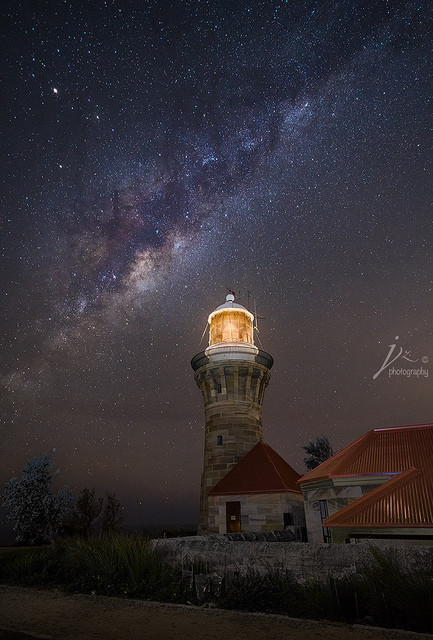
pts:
[232, 374]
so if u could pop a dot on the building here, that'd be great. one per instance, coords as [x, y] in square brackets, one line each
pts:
[380, 487]
[245, 485]
[260, 493]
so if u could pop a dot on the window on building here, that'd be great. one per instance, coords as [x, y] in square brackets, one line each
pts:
[219, 441]
[323, 508]
[288, 519]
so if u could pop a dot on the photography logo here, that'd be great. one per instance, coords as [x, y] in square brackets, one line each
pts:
[407, 371]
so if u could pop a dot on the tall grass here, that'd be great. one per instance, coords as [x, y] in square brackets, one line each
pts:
[26, 566]
[398, 598]
[382, 595]
[116, 565]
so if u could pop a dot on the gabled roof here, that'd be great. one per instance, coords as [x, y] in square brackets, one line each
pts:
[404, 501]
[381, 451]
[261, 470]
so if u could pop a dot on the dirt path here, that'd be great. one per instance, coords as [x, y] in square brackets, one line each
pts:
[29, 613]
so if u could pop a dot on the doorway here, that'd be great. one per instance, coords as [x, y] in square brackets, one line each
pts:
[233, 517]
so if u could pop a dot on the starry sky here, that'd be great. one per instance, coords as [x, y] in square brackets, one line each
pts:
[158, 153]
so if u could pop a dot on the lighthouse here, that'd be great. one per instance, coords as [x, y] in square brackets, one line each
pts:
[232, 375]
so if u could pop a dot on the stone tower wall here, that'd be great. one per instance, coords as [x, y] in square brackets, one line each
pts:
[233, 393]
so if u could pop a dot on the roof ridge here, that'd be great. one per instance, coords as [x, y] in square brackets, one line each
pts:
[427, 425]
[358, 447]
[335, 459]
[268, 448]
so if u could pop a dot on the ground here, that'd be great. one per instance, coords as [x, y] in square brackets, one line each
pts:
[30, 613]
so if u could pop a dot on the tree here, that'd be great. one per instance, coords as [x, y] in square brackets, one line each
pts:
[318, 451]
[94, 515]
[111, 517]
[87, 510]
[36, 512]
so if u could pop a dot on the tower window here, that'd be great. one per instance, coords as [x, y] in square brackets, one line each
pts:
[219, 441]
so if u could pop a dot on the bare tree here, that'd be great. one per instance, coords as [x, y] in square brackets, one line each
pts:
[318, 451]
[111, 517]
[86, 512]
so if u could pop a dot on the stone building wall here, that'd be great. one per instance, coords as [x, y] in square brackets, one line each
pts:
[259, 512]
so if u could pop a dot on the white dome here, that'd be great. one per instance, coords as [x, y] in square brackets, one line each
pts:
[231, 304]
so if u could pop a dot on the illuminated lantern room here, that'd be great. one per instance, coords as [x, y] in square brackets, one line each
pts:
[230, 322]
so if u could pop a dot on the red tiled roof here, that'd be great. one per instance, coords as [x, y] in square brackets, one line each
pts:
[404, 501]
[261, 470]
[380, 451]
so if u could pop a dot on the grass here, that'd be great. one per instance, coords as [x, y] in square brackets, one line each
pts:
[115, 566]
[382, 596]
[126, 566]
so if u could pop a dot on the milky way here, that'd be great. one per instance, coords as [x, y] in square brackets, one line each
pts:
[159, 153]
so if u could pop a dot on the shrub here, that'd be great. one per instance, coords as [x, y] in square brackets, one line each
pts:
[116, 565]
[27, 567]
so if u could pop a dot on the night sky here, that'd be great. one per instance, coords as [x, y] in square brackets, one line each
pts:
[158, 153]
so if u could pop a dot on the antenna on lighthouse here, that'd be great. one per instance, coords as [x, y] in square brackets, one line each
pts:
[256, 324]
[204, 333]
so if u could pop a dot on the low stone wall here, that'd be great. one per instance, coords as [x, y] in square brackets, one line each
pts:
[303, 560]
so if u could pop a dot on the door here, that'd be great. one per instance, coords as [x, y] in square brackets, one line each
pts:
[233, 517]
